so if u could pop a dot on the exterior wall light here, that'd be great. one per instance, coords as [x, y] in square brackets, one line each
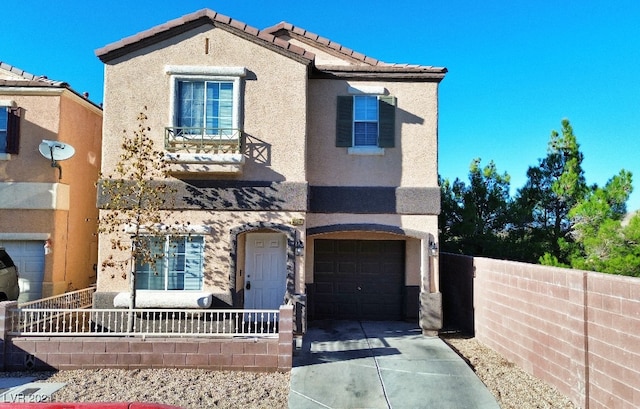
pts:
[433, 249]
[48, 246]
[299, 248]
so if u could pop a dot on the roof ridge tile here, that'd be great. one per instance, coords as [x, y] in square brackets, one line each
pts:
[341, 48]
[222, 18]
[215, 17]
[115, 49]
[323, 41]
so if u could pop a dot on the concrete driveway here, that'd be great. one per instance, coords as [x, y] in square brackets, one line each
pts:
[351, 364]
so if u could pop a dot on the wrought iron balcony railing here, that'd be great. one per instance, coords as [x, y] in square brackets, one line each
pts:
[202, 140]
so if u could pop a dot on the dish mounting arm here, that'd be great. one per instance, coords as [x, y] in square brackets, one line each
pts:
[54, 163]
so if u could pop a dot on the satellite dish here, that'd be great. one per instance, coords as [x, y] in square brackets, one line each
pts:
[56, 151]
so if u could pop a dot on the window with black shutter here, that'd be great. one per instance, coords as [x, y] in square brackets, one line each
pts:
[9, 130]
[365, 121]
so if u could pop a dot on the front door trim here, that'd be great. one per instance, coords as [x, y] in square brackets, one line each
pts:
[265, 270]
[290, 234]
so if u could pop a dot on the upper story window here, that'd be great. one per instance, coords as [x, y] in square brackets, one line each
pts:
[205, 109]
[366, 122]
[178, 264]
[9, 129]
[4, 115]
[205, 104]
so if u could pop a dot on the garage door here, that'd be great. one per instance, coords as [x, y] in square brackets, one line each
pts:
[358, 279]
[28, 256]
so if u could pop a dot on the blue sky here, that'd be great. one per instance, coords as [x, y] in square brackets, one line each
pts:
[516, 67]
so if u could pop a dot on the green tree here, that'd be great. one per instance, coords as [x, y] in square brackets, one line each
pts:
[555, 219]
[132, 199]
[603, 243]
[626, 259]
[552, 189]
[450, 217]
[475, 216]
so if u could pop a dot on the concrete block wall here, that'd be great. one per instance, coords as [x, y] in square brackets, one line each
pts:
[244, 354]
[613, 315]
[533, 316]
[578, 331]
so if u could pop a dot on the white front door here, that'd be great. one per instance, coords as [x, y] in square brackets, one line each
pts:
[266, 271]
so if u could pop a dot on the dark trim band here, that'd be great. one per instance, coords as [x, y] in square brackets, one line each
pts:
[374, 200]
[231, 195]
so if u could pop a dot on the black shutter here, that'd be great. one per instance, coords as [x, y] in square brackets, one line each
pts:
[387, 121]
[13, 130]
[344, 122]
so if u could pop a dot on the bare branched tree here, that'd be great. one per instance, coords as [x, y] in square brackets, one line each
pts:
[132, 198]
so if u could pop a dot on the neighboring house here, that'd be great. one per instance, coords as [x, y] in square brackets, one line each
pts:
[303, 167]
[48, 214]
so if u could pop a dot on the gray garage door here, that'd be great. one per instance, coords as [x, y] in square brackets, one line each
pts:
[358, 279]
[28, 257]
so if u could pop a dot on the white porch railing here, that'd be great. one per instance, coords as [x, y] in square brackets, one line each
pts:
[143, 322]
[74, 299]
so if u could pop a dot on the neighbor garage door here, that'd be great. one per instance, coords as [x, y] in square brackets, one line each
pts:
[358, 279]
[28, 256]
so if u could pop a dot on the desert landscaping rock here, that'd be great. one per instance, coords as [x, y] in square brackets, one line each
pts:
[194, 388]
[512, 386]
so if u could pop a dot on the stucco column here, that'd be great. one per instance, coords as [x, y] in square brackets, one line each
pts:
[430, 296]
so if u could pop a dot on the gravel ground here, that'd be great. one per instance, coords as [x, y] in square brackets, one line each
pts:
[512, 387]
[186, 388]
[192, 388]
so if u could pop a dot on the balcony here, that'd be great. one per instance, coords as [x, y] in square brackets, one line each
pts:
[204, 150]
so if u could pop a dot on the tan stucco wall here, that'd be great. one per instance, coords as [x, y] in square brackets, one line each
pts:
[274, 112]
[421, 223]
[66, 212]
[81, 126]
[40, 120]
[413, 160]
[217, 246]
[273, 118]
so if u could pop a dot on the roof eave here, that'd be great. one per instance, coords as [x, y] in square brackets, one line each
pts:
[197, 19]
[32, 83]
[137, 42]
[32, 88]
[385, 73]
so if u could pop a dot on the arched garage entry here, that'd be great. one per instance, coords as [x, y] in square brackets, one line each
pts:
[360, 273]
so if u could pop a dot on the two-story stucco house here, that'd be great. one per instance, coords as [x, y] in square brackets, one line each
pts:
[307, 171]
[48, 214]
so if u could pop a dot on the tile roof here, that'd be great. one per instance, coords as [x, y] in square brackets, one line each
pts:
[326, 43]
[21, 78]
[204, 16]
[269, 36]
[25, 79]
